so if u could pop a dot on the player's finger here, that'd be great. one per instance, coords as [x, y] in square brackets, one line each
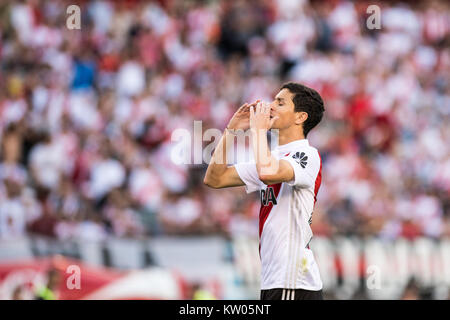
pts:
[255, 102]
[263, 108]
[247, 108]
[242, 108]
[252, 111]
[267, 108]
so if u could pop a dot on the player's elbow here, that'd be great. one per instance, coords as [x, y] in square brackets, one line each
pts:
[267, 174]
[208, 181]
[273, 175]
[211, 182]
[267, 178]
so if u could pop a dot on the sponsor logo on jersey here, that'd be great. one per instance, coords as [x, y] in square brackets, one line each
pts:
[301, 159]
[268, 196]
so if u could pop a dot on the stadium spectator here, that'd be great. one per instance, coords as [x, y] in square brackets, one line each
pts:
[86, 116]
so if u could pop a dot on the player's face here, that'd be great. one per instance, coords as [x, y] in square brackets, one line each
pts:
[283, 107]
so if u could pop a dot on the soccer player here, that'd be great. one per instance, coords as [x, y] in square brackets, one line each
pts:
[288, 179]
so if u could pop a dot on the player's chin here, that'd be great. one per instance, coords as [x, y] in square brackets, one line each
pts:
[274, 126]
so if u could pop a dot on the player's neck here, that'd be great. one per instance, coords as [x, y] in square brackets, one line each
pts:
[289, 134]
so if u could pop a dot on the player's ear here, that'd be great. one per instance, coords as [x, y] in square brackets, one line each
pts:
[300, 117]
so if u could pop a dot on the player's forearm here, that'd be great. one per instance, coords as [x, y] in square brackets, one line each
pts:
[266, 164]
[218, 164]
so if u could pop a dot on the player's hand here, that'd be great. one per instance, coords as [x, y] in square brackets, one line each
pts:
[241, 118]
[260, 116]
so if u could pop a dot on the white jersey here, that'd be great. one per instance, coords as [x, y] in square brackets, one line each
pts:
[285, 218]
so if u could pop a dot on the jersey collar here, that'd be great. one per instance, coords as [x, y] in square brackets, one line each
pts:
[292, 145]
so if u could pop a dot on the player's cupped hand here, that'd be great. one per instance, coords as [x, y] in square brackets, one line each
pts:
[241, 118]
[260, 116]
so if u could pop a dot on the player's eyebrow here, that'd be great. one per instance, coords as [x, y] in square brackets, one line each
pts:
[279, 99]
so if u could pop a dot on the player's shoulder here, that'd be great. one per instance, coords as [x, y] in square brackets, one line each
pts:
[304, 154]
[305, 148]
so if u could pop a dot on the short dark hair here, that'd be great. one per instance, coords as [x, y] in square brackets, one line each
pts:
[307, 100]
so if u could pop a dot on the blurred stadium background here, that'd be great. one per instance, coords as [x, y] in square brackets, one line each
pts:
[86, 120]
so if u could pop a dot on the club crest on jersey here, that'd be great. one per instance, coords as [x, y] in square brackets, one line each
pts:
[268, 196]
[301, 159]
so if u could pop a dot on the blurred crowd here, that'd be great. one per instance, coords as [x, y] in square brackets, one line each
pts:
[87, 115]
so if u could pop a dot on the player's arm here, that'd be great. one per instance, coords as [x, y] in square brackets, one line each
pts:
[219, 174]
[270, 170]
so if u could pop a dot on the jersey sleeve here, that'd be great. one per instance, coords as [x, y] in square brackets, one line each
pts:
[249, 175]
[306, 166]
